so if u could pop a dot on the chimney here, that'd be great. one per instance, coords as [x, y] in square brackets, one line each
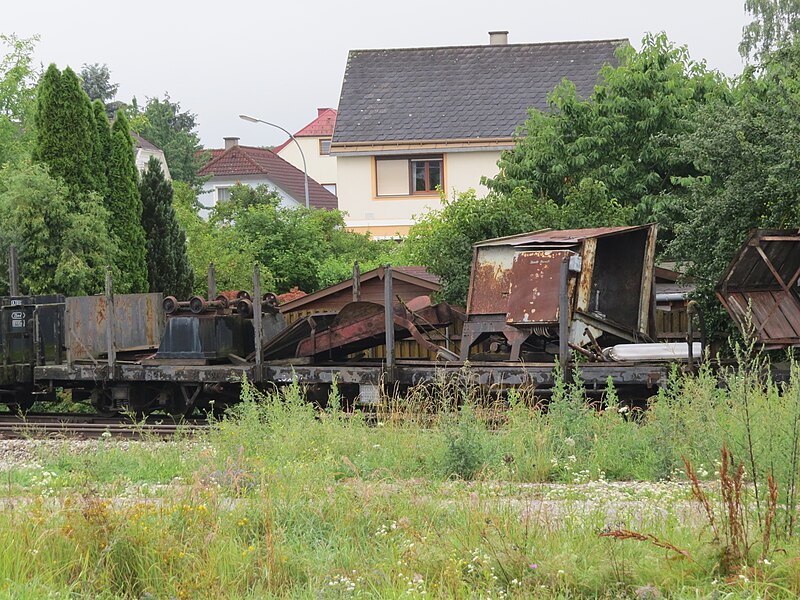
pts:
[321, 110]
[230, 142]
[498, 38]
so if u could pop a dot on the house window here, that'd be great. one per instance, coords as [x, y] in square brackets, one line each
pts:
[408, 176]
[223, 194]
[331, 187]
[426, 175]
[325, 147]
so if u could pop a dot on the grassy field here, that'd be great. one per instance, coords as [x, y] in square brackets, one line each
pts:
[425, 500]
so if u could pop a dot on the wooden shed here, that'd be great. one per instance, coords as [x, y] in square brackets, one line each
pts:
[407, 283]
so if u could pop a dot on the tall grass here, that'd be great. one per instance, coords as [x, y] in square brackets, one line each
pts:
[445, 492]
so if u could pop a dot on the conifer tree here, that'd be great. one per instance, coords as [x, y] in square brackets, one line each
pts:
[168, 265]
[65, 129]
[125, 208]
[102, 147]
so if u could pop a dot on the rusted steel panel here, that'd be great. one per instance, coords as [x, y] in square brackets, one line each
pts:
[490, 283]
[760, 287]
[558, 236]
[534, 297]
[139, 324]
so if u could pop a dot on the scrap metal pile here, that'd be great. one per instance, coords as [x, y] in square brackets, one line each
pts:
[532, 298]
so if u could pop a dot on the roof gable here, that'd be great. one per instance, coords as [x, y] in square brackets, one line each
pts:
[322, 126]
[248, 160]
[460, 92]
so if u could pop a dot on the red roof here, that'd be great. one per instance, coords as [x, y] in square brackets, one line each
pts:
[322, 126]
[249, 160]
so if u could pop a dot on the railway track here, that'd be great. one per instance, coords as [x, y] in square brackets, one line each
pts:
[71, 425]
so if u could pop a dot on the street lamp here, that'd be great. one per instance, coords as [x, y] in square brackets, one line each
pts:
[294, 139]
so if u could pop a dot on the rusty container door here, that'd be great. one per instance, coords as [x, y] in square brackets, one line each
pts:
[490, 283]
[535, 282]
[138, 324]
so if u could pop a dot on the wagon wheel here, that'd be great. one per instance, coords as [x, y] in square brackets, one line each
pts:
[183, 405]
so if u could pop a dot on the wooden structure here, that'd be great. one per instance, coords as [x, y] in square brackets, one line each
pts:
[407, 283]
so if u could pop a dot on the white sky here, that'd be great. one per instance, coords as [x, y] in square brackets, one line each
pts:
[279, 61]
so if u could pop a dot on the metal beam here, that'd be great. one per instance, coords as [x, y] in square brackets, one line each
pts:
[257, 315]
[13, 271]
[563, 316]
[212, 281]
[388, 305]
[110, 341]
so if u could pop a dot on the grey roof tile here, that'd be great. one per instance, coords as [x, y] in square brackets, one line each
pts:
[458, 92]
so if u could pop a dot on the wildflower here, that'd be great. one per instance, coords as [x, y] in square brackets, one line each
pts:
[569, 442]
[533, 566]
[561, 571]
[766, 562]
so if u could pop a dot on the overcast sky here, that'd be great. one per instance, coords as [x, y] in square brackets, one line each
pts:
[279, 61]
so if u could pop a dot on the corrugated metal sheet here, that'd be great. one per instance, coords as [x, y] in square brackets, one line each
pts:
[138, 324]
[561, 236]
[760, 287]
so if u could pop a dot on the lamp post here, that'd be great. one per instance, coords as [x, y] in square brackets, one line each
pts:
[294, 139]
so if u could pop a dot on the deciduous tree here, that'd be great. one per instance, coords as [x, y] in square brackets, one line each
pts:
[622, 135]
[443, 239]
[63, 239]
[775, 22]
[749, 154]
[17, 97]
[163, 123]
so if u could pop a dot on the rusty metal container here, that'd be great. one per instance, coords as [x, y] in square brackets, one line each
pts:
[515, 287]
[760, 287]
[138, 324]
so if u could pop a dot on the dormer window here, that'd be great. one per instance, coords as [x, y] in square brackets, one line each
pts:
[325, 147]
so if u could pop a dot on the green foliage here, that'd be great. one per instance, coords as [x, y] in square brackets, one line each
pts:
[125, 210]
[464, 455]
[17, 97]
[748, 154]
[307, 248]
[65, 129]
[775, 23]
[208, 243]
[167, 261]
[621, 135]
[174, 131]
[442, 239]
[63, 239]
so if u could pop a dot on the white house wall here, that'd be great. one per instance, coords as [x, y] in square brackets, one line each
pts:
[321, 167]
[385, 216]
[143, 156]
[208, 196]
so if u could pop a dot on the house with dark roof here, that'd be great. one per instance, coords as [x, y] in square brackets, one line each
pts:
[144, 150]
[315, 142]
[414, 121]
[253, 166]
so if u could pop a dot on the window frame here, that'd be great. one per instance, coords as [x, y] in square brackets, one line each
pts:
[427, 160]
[410, 160]
[322, 142]
[220, 188]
